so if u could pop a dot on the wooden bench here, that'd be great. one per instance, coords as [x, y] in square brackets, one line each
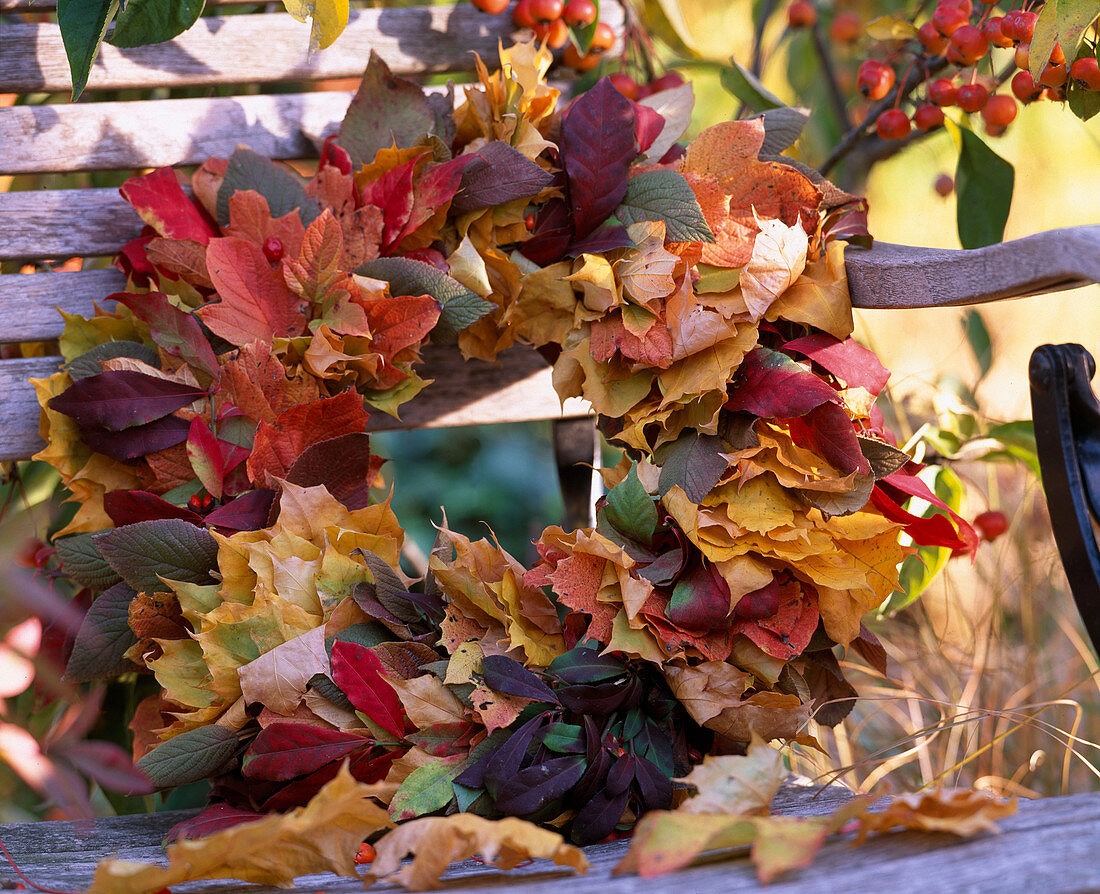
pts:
[1045, 845]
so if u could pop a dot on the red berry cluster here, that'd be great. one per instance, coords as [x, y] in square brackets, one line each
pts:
[633, 89]
[964, 37]
[551, 21]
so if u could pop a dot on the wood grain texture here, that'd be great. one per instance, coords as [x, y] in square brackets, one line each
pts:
[29, 303]
[266, 48]
[899, 276]
[61, 223]
[1048, 847]
[517, 389]
[155, 133]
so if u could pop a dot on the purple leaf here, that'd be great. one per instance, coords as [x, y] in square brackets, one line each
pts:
[502, 674]
[342, 464]
[248, 512]
[601, 240]
[128, 506]
[120, 399]
[495, 174]
[213, 819]
[140, 440]
[552, 234]
[532, 788]
[597, 819]
[598, 145]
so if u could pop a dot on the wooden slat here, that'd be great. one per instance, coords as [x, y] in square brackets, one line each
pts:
[51, 5]
[1049, 846]
[517, 389]
[62, 223]
[899, 276]
[153, 133]
[263, 48]
[29, 303]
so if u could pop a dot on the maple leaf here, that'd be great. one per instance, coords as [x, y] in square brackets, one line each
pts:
[436, 842]
[256, 304]
[323, 836]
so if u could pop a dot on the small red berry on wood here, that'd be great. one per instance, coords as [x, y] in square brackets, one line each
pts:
[944, 185]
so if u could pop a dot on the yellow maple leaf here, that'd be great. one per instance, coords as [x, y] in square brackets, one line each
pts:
[330, 18]
[438, 841]
[323, 836]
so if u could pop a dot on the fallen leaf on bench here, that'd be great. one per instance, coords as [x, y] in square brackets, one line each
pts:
[436, 842]
[962, 812]
[323, 836]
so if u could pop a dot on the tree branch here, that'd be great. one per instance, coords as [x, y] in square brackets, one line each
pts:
[829, 70]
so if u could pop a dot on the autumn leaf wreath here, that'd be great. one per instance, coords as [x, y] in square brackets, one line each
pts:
[211, 428]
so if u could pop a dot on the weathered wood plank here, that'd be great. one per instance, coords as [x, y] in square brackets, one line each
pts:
[266, 48]
[61, 223]
[29, 303]
[155, 133]
[517, 389]
[899, 276]
[1049, 846]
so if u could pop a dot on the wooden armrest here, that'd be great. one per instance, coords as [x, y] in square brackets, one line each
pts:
[898, 276]
[1067, 436]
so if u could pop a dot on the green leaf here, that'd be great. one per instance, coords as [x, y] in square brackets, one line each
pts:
[459, 306]
[1083, 103]
[144, 22]
[171, 548]
[782, 127]
[99, 651]
[1064, 22]
[81, 561]
[425, 790]
[279, 185]
[744, 85]
[665, 196]
[694, 463]
[1044, 38]
[190, 756]
[977, 336]
[582, 37]
[631, 510]
[89, 363]
[984, 182]
[83, 24]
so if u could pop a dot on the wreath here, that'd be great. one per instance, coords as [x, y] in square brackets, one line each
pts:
[230, 549]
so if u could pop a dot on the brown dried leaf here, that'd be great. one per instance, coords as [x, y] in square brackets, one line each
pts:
[736, 785]
[962, 812]
[279, 678]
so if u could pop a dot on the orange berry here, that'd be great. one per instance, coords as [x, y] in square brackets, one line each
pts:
[579, 13]
[1053, 75]
[603, 39]
[970, 44]
[1057, 57]
[1000, 111]
[801, 14]
[1023, 56]
[547, 10]
[521, 15]
[846, 27]
[949, 19]
[1086, 73]
[555, 33]
[928, 117]
[943, 92]
[572, 58]
[1024, 87]
[994, 34]
[625, 84]
[933, 42]
[893, 124]
[493, 7]
[875, 79]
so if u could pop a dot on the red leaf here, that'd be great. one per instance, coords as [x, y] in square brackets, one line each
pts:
[358, 672]
[434, 188]
[205, 454]
[936, 530]
[248, 512]
[128, 506]
[847, 360]
[134, 262]
[120, 399]
[138, 440]
[344, 465]
[278, 445]
[213, 819]
[397, 324]
[771, 385]
[597, 135]
[648, 124]
[392, 192]
[256, 304]
[176, 332]
[284, 750]
[163, 205]
[828, 431]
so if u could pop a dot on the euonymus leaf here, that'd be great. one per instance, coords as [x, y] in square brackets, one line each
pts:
[172, 548]
[81, 561]
[631, 510]
[459, 306]
[665, 196]
[425, 790]
[984, 182]
[279, 185]
[503, 674]
[83, 24]
[191, 756]
[89, 363]
[143, 22]
[694, 463]
[99, 651]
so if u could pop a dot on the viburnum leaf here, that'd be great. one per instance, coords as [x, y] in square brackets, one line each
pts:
[138, 440]
[119, 399]
[169, 547]
[174, 330]
[984, 182]
[317, 268]
[323, 836]
[82, 561]
[581, 665]
[427, 789]
[598, 146]
[191, 756]
[278, 184]
[631, 510]
[90, 362]
[496, 174]
[694, 464]
[386, 111]
[256, 303]
[160, 201]
[884, 459]
[782, 126]
[667, 197]
[359, 674]
[279, 677]
[436, 842]
[99, 651]
[285, 749]
[459, 306]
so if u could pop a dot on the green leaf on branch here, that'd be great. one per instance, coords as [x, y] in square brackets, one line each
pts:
[99, 651]
[745, 86]
[1063, 22]
[459, 307]
[191, 756]
[281, 188]
[146, 551]
[977, 336]
[665, 196]
[144, 22]
[782, 127]
[984, 183]
[83, 24]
